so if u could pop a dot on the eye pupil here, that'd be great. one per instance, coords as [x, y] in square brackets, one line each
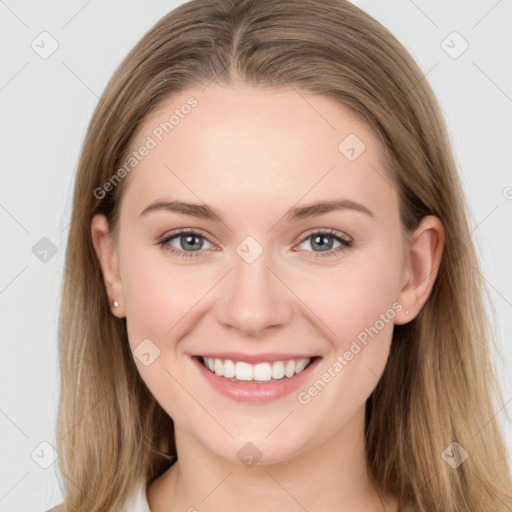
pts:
[186, 239]
[193, 242]
[321, 243]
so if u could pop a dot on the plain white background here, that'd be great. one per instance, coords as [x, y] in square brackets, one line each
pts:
[46, 104]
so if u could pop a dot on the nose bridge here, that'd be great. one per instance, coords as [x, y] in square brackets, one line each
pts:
[254, 298]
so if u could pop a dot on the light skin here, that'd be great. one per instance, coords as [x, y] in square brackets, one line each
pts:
[252, 155]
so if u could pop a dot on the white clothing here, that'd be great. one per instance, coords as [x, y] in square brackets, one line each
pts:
[137, 502]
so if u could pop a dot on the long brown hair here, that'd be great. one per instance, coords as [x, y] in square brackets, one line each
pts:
[438, 386]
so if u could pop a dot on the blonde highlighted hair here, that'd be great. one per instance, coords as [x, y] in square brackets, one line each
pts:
[438, 386]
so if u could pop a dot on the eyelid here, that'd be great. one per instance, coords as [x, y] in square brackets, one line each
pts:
[195, 231]
[325, 231]
[307, 234]
[345, 241]
[164, 240]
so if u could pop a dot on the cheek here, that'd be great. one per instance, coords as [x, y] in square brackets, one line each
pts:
[343, 300]
[356, 305]
[363, 321]
[360, 307]
[158, 293]
[159, 299]
[351, 298]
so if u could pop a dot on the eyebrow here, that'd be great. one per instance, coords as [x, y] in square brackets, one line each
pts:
[203, 211]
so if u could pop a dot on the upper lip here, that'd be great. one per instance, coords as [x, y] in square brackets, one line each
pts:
[254, 358]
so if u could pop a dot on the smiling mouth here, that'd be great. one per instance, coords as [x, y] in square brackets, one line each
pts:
[240, 371]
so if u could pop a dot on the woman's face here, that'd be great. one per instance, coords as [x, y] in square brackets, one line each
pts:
[266, 275]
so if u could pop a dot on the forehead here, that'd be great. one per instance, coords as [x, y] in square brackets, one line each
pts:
[270, 148]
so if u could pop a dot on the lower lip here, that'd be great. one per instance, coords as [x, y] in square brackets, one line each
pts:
[254, 391]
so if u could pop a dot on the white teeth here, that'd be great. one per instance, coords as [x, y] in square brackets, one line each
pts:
[243, 371]
[218, 367]
[301, 365]
[278, 370]
[229, 369]
[261, 372]
[289, 369]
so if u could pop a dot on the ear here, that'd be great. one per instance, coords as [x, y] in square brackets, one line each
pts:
[106, 251]
[421, 264]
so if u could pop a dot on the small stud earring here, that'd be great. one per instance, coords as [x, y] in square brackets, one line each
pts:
[406, 311]
[115, 304]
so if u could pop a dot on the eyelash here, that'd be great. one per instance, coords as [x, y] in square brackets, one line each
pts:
[344, 241]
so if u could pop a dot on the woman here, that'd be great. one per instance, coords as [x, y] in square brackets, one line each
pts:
[272, 299]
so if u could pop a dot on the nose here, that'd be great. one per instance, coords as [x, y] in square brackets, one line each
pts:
[254, 298]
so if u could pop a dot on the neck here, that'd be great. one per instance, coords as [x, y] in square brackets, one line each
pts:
[330, 476]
